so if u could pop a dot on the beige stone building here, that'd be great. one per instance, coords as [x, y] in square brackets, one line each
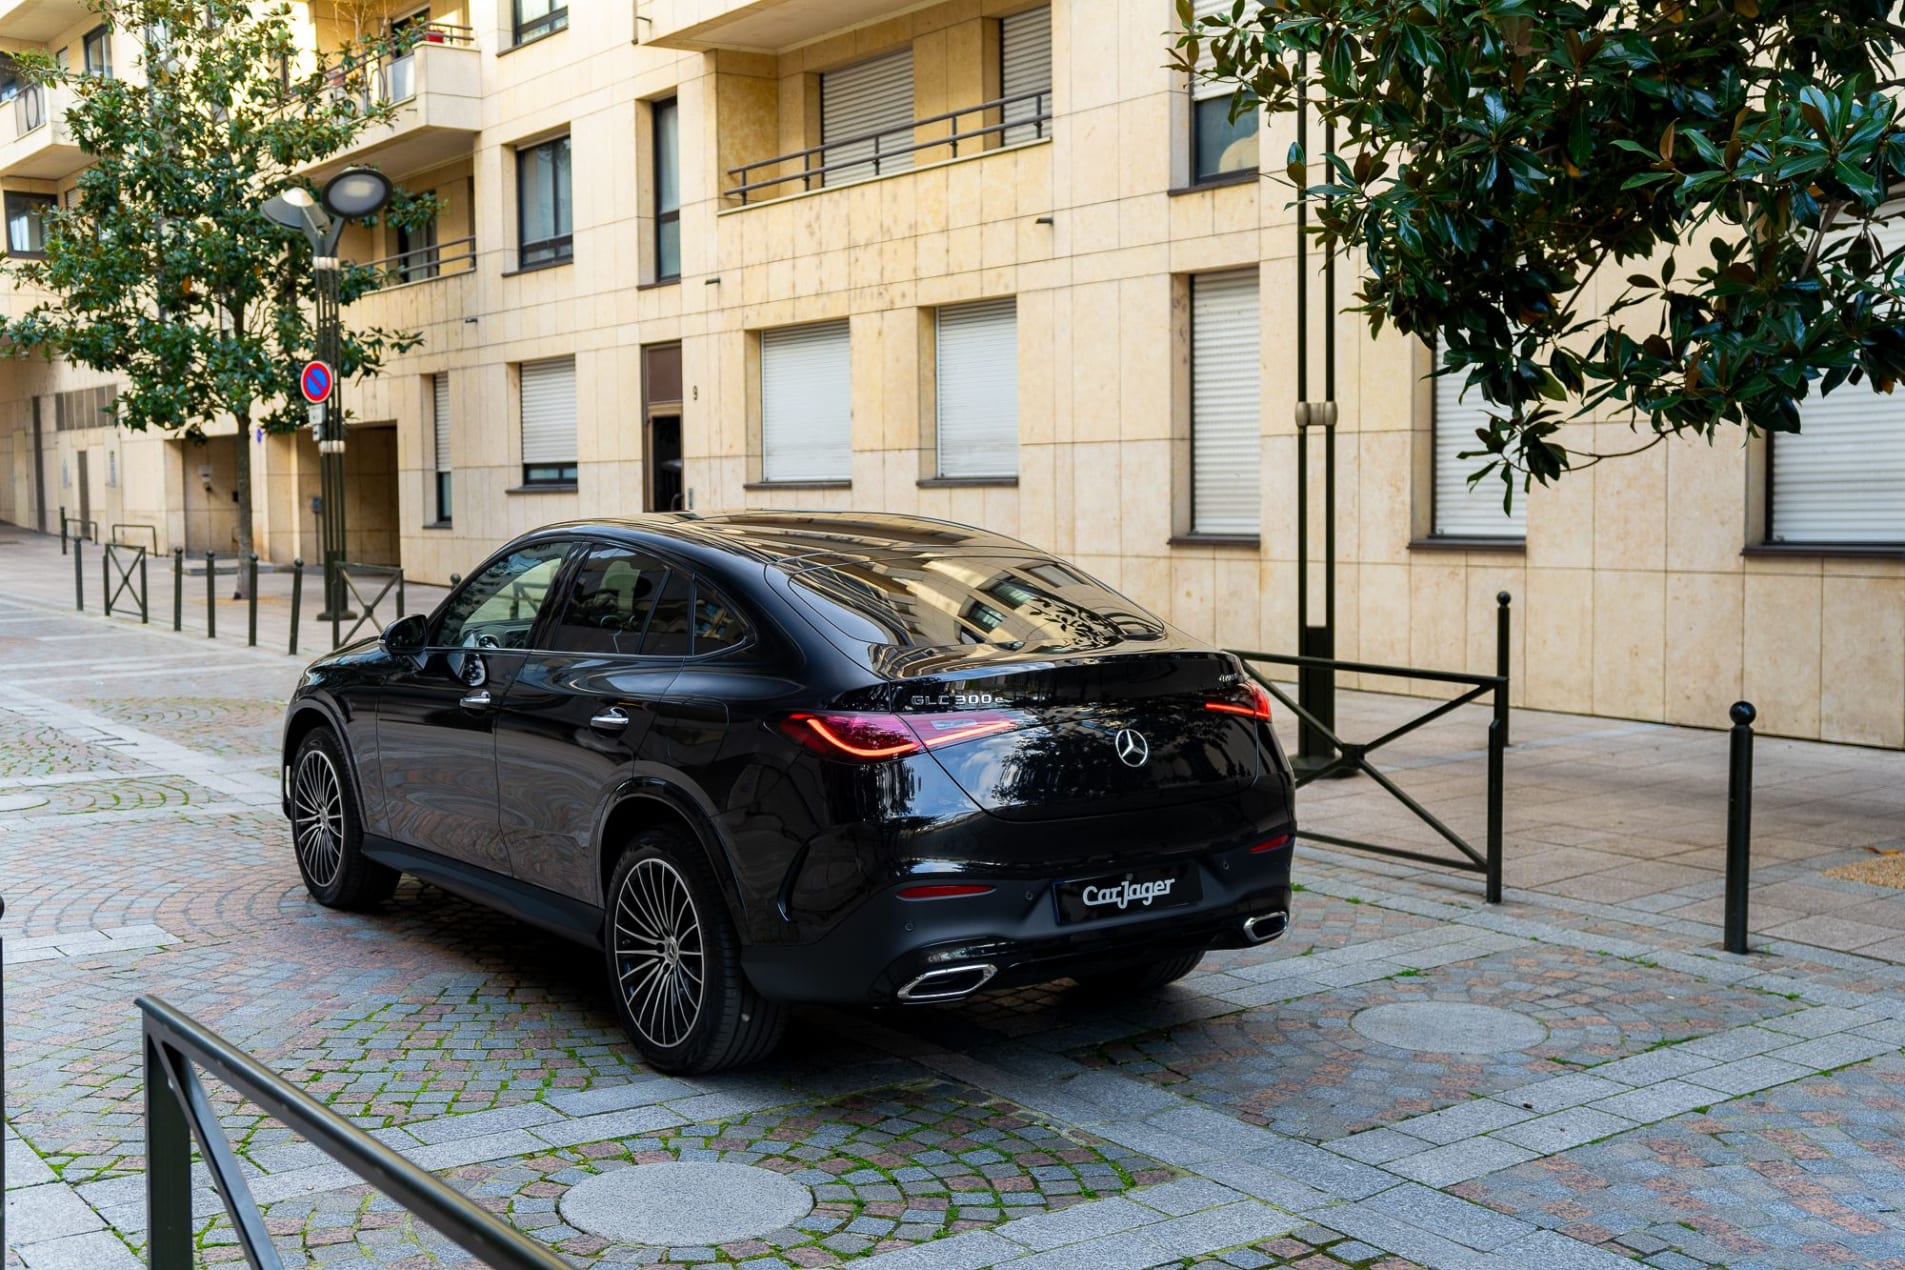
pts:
[979, 259]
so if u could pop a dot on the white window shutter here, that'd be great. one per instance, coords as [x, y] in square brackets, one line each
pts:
[1226, 404]
[1202, 88]
[867, 97]
[1025, 56]
[440, 409]
[1462, 510]
[548, 394]
[978, 389]
[806, 403]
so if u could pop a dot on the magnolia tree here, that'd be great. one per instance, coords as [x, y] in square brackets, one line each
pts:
[164, 272]
[1497, 156]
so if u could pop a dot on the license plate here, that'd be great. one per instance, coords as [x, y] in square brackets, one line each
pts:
[1127, 894]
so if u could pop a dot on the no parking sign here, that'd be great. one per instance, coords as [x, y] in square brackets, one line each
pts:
[315, 381]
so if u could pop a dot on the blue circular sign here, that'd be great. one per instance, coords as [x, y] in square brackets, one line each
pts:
[315, 381]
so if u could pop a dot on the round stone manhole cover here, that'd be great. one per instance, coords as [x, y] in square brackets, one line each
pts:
[1449, 1027]
[685, 1203]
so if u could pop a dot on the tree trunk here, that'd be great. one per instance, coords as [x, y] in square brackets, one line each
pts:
[242, 485]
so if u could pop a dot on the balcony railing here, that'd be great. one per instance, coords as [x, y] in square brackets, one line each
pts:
[1012, 120]
[392, 77]
[420, 264]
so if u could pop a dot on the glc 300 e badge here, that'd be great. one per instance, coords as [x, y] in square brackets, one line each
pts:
[1127, 892]
[1133, 749]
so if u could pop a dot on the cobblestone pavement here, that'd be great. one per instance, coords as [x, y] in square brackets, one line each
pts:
[1663, 1103]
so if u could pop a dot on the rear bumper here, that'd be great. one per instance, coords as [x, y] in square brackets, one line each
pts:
[887, 943]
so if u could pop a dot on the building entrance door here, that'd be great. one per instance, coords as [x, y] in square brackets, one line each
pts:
[664, 485]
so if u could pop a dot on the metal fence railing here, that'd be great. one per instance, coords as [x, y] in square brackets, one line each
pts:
[178, 1114]
[123, 566]
[350, 575]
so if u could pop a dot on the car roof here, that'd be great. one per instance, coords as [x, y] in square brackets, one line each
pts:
[799, 539]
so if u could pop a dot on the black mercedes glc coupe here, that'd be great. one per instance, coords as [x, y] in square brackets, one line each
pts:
[778, 757]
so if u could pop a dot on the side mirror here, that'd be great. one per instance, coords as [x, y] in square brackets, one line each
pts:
[406, 635]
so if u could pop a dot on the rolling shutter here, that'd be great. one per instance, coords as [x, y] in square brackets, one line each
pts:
[1226, 404]
[1025, 56]
[1841, 478]
[548, 392]
[1462, 510]
[1201, 88]
[869, 97]
[440, 409]
[978, 389]
[806, 404]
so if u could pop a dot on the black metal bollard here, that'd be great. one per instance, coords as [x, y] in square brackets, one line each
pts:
[145, 593]
[62, 531]
[1502, 600]
[400, 593]
[211, 596]
[297, 600]
[79, 579]
[1739, 823]
[178, 588]
[456, 580]
[251, 564]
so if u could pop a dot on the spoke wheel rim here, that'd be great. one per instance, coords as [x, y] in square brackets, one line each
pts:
[660, 954]
[317, 817]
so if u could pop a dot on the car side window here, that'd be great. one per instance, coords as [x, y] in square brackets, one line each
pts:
[718, 626]
[669, 632]
[498, 607]
[609, 602]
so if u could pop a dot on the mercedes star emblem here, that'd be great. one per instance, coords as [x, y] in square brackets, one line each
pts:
[1133, 749]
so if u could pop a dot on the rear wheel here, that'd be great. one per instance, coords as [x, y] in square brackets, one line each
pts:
[1144, 976]
[328, 833]
[674, 961]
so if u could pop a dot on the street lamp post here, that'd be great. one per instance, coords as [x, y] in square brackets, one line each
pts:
[352, 193]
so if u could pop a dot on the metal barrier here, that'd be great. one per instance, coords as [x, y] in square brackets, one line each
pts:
[116, 575]
[178, 1113]
[251, 600]
[349, 574]
[153, 530]
[78, 527]
[211, 595]
[1739, 823]
[1353, 757]
[178, 588]
[297, 601]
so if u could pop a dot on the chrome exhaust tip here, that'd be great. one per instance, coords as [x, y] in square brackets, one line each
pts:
[1265, 927]
[948, 983]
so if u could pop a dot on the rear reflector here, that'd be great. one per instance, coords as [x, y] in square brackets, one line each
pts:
[942, 891]
[1252, 702]
[1281, 840]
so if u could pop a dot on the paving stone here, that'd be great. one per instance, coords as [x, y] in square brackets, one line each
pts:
[1459, 1161]
[96, 1251]
[1379, 1146]
[1551, 1251]
[1653, 1067]
[1560, 1092]
[1464, 1120]
[1827, 1052]
[1468, 1224]
[1076, 1224]
[1216, 1228]
[1747, 1075]
[1739, 1042]
[1564, 1130]
[1187, 1195]
[1656, 1102]
[1822, 1021]
[49, 1211]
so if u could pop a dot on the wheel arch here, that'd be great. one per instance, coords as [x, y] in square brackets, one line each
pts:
[306, 717]
[657, 806]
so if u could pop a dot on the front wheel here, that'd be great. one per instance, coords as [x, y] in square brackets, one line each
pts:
[328, 833]
[674, 962]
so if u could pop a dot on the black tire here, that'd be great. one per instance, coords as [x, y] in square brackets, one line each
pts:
[674, 962]
[1144, 976]
[327, 833]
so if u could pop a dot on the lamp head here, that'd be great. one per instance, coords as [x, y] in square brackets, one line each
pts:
[356, 192]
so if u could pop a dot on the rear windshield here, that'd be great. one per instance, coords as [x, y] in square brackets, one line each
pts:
[1023, 603]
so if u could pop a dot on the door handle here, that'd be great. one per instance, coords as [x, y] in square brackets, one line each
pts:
[478, 700]
[613, 719]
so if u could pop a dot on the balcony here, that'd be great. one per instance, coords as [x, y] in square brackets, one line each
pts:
[437, 87]
[40, 21]
[424, 264]
[34, 139]
[755, 26]
[1017, 120]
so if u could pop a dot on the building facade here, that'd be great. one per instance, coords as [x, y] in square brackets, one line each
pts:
[985, 260]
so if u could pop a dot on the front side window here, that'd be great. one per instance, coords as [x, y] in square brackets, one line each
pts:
[537, 18]
[497, 608]
[667, 190]
[544, 204]
[26, 222]
[609, 603]
[97, 51]
[1220, 145]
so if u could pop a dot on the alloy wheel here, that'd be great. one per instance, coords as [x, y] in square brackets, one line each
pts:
[660, 962]
[317, 816]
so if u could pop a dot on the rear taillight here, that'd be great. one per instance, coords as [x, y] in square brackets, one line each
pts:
[942, 891]
[1252, 701]
[1275, 844]
[871, 738]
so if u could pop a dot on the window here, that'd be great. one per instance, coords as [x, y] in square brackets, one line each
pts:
[1840, 480]
[417, 251]
[440, 418]
[609, 603]
[537, 18]
[26, 222]
[866, 112]
[545, 212]
[548, 409]
[978, 389]
[1219, 144]
[667, 190]
[1226, 405]
[96, 52]
[806, 404]
[497, 608]
[1025, 67]
[1463, 510]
